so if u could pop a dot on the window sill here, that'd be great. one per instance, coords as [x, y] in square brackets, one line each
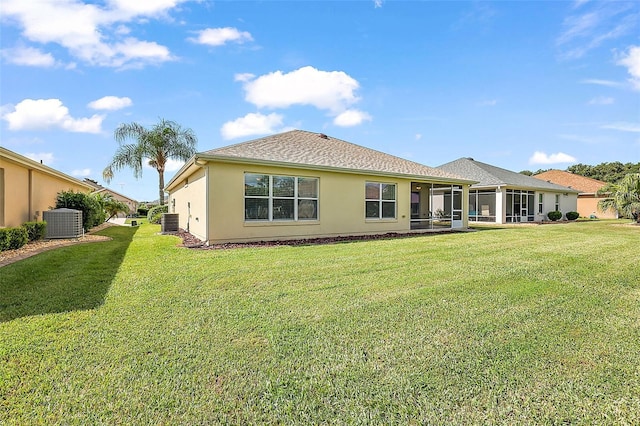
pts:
[263, 223]
[372, 220]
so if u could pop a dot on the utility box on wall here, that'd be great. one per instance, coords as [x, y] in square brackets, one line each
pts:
[169, 222]
[63, 223]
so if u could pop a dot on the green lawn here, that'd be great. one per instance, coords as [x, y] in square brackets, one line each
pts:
[521, 325]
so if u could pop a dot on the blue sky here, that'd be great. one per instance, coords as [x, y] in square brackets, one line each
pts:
[520, 85]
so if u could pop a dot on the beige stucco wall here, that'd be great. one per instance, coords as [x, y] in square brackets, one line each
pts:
[28, 192]
[188, 200]
[588, 205]
[341, 205]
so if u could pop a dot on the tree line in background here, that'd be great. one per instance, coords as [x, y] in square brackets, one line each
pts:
[622, 191]
[606, 172]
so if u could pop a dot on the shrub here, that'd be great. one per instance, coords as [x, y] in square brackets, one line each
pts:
[35, 230]
[4, 239]
[554, 215]
[13, 238]
[155, 213]
[142, 211]
[572, 215]
[92, 210]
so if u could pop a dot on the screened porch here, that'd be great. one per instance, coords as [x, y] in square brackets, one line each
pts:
[436, 206]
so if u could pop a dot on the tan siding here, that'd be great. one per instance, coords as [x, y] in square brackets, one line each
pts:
[189, 201]
[28, 191]
[589, 205]
[341, 206]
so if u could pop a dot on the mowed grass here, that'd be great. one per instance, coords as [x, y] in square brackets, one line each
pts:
[522, 325]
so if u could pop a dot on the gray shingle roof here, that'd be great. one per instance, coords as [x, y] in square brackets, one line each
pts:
[301, 147]
[492, 176]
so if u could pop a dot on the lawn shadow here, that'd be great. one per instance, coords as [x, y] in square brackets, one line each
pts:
[71, 278]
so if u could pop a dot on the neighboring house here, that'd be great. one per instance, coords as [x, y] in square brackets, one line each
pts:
[300, 184]
[588, 197]
[99, 189]
[503, 196]
[28, 187]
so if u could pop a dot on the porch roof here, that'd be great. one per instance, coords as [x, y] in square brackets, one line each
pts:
[488, 176]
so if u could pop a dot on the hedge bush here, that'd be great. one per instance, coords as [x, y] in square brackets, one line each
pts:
[13, 238]
[92, 211]
[554, 215]
[155, 213]
[35, 230]
[4, 239]
[572, 215]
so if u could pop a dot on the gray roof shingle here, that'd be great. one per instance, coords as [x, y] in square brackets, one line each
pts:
[300, 147]
[491, 176]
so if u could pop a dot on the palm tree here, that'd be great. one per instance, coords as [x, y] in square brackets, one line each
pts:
[111, 206]
[165, 140]
[623, 196]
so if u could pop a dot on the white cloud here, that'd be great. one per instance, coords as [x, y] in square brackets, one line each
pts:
[42, 114]
[607, 83]
[539, 157]
[243, 77]
[596, 23]
[623, 127]
[45, 158]
[326, 90]
[418, 136]
[220, 36]
[133, 53]
[28, 56]
[377, 3]
[601, 100]
[631, 60]
[173, 165]
[110, 103]
[127, 8]
[81, 172]
[351, 117]
[251, 124]
[90, 32]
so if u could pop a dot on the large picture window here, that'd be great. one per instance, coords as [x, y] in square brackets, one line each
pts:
[380, 200]
[280, 198]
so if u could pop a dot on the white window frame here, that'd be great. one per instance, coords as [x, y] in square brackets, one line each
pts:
[296, 198]
[540, 203]
[381, 200]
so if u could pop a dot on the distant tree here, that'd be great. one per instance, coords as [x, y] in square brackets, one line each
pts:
[606, 172]
[526, 172]
[163, 141]
[581, 169]
[623, 196]
[111, 206]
